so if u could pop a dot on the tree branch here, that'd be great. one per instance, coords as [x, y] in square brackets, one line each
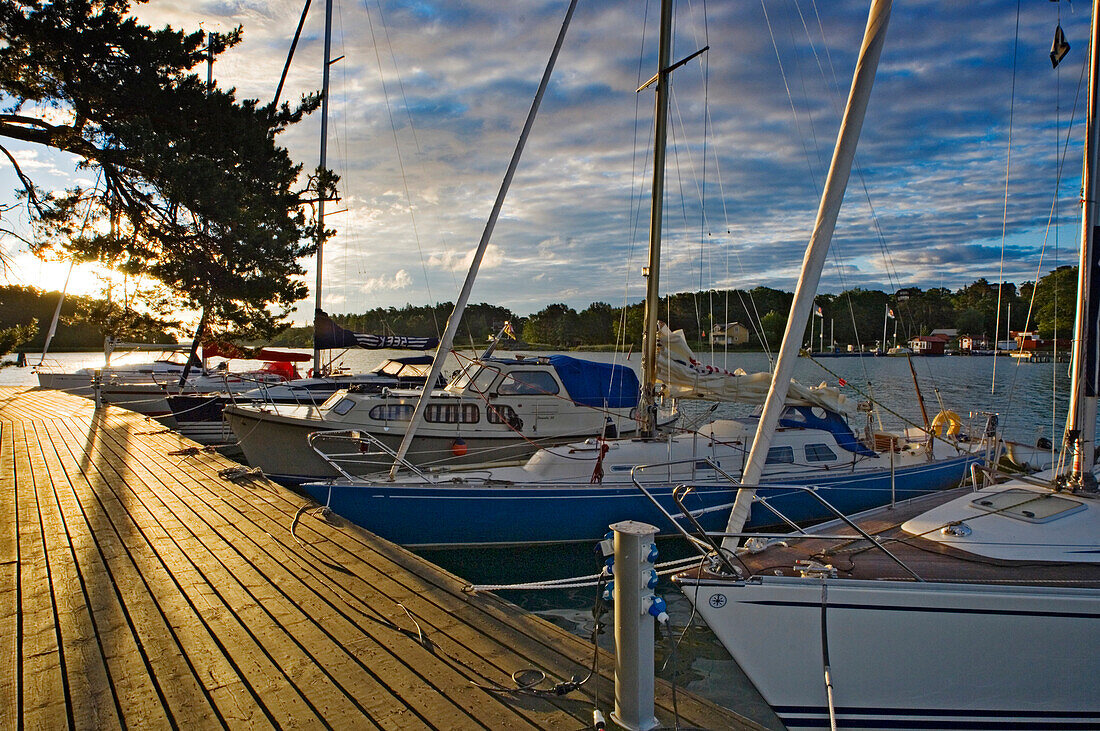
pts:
[28, 186]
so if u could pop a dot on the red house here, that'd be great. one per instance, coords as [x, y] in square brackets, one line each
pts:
[929, 344]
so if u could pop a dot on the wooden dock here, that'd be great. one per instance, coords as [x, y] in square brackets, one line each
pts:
[139, 587]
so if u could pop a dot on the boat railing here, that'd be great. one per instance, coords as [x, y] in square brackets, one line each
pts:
[362, 449]
[705, 540]
[48, 365]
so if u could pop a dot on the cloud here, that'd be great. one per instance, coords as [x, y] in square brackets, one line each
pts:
[454, 261]
[430, 96]
[400, 280]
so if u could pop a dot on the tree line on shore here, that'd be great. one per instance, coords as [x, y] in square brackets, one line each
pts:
[855, 317]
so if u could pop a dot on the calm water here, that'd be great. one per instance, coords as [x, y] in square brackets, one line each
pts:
[1022, 398]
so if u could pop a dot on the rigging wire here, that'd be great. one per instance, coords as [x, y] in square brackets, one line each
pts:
[751, 311]
[1004, 220]
[400, 157]
[635, 193]
[1051, 223]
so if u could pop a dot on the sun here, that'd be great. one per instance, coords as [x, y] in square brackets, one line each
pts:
[83, 279]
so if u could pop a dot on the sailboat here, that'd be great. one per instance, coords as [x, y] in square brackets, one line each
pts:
[572, 492]
[967, 609]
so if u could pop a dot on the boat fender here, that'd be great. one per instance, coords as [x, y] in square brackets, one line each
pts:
[459, 448]
[946, 424]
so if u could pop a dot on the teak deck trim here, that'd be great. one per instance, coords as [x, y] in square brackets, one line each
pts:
[140, 588]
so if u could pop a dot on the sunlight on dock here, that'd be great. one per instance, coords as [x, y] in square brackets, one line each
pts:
[144, 582]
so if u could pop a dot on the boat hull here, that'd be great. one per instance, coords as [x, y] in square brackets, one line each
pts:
[77, 384]
[280, 446]
[467, 513]
[1030, 656]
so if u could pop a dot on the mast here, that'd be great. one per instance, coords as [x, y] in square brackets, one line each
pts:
[647, 403]
[814, 260]
[321, 168]
[56, 317]
[453, 321]
[1085, 379]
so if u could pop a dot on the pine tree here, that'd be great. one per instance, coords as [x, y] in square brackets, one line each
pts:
[197, 193]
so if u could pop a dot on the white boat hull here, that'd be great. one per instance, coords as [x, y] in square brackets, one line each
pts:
[1006, 657]
[280, 444]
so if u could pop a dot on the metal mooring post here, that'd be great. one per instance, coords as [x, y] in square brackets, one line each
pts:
[635, 554]
[97, 385]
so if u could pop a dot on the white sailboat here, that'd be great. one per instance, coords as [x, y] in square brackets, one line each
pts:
[971, 609]
[572, 492]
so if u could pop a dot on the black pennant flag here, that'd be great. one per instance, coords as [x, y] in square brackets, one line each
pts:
[1059, 48]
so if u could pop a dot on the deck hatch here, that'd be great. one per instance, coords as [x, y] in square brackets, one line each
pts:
[1028, 506]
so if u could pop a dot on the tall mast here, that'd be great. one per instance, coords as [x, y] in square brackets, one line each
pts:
[647, 402]
[1085, 383]
[321, 168]
[814, 259]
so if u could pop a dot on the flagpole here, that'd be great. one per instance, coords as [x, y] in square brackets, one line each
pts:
[885, 321]
[821, 331]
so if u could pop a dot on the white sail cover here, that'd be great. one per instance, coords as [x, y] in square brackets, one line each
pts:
[686, 377]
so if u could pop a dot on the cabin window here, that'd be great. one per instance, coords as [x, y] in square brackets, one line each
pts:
[819, 453]
[484, 380]
[478, 380]
[343, 406]
[390, 367]
[452, 414]
[461, 379]
[528, 383]
[501, 414]
[780, 455]
[391, 412]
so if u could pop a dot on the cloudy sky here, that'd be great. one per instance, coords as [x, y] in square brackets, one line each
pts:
[429, 98]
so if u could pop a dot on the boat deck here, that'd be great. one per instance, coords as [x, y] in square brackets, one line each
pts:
[932, 561]
[141, 587]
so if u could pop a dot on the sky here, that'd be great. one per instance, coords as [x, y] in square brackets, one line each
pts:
[429, 97]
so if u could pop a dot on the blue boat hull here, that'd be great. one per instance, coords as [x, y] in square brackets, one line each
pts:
[440, 515]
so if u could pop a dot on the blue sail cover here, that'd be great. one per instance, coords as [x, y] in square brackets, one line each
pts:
[327, 335]
[597, 384]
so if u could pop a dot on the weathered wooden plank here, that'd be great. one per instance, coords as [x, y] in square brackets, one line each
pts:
[85, 670]
[172, 635]
[127, 628]
[45, 695]
[307, 560]
[11, 658]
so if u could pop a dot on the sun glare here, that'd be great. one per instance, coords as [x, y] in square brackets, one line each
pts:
[85, 279]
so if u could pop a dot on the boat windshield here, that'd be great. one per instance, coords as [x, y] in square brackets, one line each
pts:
[478, 380]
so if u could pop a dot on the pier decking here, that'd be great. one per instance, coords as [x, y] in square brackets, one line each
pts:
[140, 587]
